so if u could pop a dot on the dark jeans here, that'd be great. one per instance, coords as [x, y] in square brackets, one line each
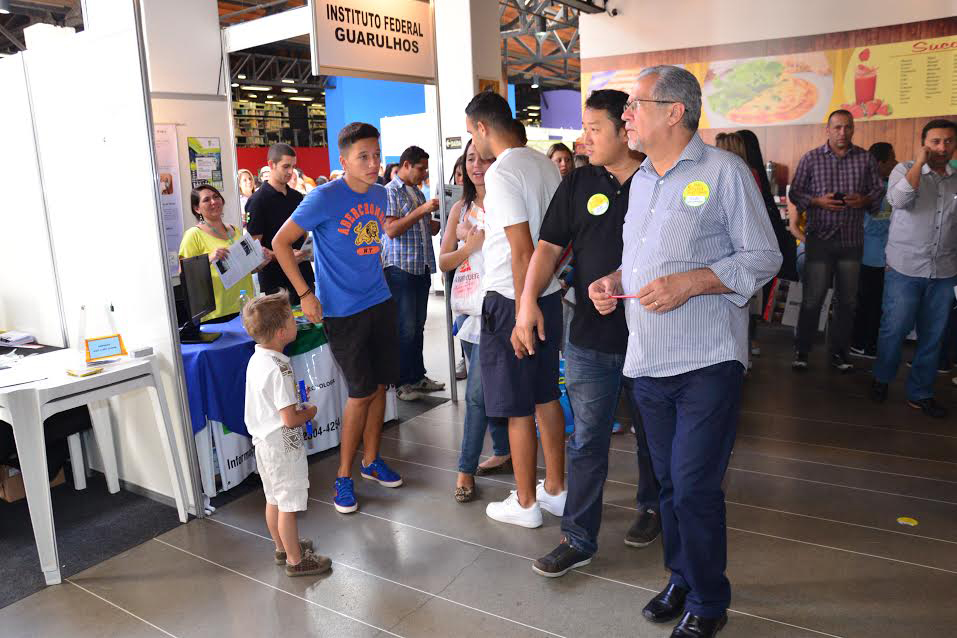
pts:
[827, 261]
[911, 302]
[948, 349]
[593, 380]
[867, 321]
[411, 294]
[476, 422]
[691, 420]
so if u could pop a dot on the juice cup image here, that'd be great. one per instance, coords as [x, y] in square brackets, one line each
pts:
[865, 83]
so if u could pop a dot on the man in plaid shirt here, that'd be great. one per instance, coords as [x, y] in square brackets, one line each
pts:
[836, 184]
[409, 261]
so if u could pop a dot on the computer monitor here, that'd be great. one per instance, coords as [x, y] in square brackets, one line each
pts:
[194, 299]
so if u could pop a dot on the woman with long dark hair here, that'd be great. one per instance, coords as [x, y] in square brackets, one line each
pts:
[785, 241]
[464, 235]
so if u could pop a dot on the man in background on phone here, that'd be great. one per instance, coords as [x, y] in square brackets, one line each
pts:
[409, 262]
[921, 266]
[836, 184]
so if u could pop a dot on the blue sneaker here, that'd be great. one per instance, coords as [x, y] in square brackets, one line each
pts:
[345, 496]
[379, 471]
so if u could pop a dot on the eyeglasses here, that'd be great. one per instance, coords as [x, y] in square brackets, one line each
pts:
[632, 105]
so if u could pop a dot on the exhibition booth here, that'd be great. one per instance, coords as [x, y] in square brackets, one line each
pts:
[89, 264]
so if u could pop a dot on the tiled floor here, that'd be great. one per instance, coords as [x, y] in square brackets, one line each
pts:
[817, 482]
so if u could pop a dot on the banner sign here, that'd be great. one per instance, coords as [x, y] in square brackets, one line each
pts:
[880, 82]
[205, 161]
[373, 38]
[171, 197]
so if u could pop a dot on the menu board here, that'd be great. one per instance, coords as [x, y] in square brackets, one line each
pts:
[887, 81]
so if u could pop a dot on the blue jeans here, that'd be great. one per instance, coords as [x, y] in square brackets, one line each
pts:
[473, 438]
[909, 302]
[593, 380]
[691, 420]
[411, 294]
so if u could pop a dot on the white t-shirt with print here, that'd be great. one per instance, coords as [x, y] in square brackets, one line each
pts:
[270, 387]
[518, 188]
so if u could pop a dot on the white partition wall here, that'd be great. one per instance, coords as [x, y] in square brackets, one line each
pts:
[28, 294]
[101, 199]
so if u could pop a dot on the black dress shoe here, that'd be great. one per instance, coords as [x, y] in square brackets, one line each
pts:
[667, 605]
[692, 626]
[929, 407]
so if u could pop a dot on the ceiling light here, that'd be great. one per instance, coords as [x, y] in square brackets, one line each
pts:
[234, 85]
[249, 87]
[253, 95]
[241, 76]
[285, 90]
[288, 81]
[533, 107]
[270, 96]
[534, 81]
[300, 98]
[4, 7]
[273, 102]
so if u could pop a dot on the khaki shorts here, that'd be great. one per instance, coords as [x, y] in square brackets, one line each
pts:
[281, 460]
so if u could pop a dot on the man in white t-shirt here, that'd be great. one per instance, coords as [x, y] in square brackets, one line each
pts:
[519, 383]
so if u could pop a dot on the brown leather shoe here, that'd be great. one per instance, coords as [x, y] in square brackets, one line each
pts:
[504, 468]
[304, 545]
[311, 564]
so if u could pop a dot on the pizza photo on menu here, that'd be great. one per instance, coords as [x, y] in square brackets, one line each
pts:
[793, 89]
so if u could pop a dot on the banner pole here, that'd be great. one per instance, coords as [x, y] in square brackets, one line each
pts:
[438, 186]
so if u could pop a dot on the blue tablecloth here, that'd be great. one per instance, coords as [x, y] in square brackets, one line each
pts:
[216, 376]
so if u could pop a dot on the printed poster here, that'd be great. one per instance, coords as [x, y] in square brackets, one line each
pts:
[171, 197]
[205, 161]
[888, 81]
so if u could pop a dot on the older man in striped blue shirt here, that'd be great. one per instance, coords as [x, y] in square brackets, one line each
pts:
[697, 245]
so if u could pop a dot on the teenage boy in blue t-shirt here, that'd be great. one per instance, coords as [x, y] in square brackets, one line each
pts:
[346, 218]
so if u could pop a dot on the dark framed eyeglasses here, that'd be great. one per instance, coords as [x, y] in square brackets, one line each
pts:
[632, 105]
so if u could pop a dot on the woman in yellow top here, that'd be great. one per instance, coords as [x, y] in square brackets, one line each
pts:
[212, 237]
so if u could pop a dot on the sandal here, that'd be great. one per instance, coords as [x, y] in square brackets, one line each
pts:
[504, 468]
[464, 494]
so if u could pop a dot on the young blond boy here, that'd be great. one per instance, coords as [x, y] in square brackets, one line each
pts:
[274, 418]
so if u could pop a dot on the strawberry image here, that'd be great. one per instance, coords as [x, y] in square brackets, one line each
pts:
[857, 110]
[885, 109]
[864, 55]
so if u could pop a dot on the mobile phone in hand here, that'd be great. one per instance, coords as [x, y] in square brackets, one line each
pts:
[839, 197]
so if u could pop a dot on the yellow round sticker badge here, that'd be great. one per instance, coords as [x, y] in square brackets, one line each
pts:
[598, 204]
[696, 193]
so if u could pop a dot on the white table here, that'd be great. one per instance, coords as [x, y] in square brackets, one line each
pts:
[27, 405]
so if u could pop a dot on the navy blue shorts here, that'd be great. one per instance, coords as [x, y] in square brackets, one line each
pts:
[513, 386]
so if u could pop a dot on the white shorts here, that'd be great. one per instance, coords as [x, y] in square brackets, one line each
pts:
[281, 459]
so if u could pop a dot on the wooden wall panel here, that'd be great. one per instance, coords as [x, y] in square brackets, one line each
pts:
[786, 144]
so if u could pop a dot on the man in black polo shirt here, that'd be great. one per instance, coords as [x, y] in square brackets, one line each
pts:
[588, 212]
[268, 209]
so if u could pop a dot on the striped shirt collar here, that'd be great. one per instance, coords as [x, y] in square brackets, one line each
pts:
[692, 152]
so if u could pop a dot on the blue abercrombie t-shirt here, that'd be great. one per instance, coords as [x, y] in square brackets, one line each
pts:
[346, 231]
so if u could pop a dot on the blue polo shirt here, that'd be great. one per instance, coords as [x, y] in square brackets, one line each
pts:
[346, 230]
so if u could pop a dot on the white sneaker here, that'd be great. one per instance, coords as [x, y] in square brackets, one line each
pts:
[511, 511]
[408, 393]
[554, 505]
[426, 384]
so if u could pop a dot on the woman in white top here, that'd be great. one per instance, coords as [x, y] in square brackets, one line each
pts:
[247, 186]
[463, 241]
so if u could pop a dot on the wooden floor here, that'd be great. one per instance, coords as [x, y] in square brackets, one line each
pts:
[819, 477]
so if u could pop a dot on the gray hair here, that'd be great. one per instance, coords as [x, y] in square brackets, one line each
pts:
[675, 84]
